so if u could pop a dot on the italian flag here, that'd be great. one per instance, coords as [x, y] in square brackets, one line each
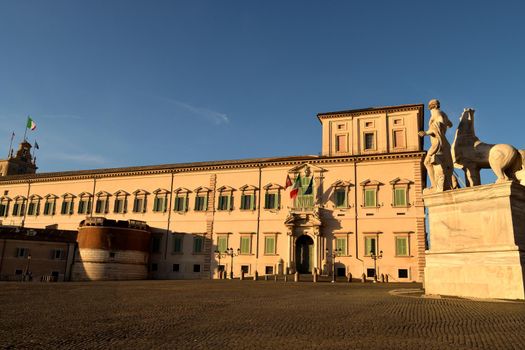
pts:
[30, 124]
[296, 186]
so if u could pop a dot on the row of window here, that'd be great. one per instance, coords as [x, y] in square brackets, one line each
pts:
[55, 254]
[371, 244]
[225, 202]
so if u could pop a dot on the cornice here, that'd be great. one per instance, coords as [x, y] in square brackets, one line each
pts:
[369, 111]
[205, 167]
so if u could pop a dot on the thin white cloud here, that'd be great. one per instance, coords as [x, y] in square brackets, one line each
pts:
[213, 116]
[84, 158]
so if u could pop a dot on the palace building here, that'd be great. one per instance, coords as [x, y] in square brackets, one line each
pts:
[360, 199]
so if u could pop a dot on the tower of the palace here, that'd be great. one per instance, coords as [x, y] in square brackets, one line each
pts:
[21, 163]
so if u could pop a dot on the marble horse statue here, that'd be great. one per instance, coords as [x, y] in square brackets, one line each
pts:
[471, 155]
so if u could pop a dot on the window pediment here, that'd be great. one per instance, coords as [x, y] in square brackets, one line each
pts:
[103, 194]
[121, 193]
[371, 183]
[68, 195]
[19, 198]
[225, 189]
[246, 188]
[273, 186]
[34, 197]
[342, 183]
[160, 191]
[202, 189]
[140, 192]
[51, 196]
[399, 181]
[182, 190]
[306, 167]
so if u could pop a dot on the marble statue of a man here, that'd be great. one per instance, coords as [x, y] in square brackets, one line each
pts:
[438, 161]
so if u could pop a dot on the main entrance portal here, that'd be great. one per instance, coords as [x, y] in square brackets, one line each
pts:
[304, 258]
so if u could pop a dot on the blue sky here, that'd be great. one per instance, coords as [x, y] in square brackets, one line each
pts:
[123, 83]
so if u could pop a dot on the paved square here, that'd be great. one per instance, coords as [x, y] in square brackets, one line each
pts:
[249, 315]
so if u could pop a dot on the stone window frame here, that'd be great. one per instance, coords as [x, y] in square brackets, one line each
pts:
[367, 185]
[273, 188]
[120, 195]
[246, 235]
[102, 197]
[251, 191]
[345, 185]
[197, 236]
[161, 197]
[393, 138]
[50, 199]
[19, 206]
[337, 145]
[223, 235]
[140, 194]
[407, 235]
[225, 191]
[273, 235]
[346, 236]
[199, 191]
[183, 193]
[34, 202]
[375, 235]
[5, 201]
[81, 199]
[68, 204]
[174, 237]
[404, 184]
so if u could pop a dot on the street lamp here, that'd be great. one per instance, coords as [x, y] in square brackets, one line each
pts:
[335, 253]
[375, 257]
[219, 255]
[27, 267]
[230, 252]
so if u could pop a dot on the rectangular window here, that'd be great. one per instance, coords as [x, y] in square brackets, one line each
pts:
[139, 204]
[160, 204]
[155, 244]
[84, 205]
[268, 270]
[401, 246]
[177, 243]
[176, 268]
[340, 143]
[245, 269]
[196, 268]
[180, 203]
[121, 204]
[305, 199]
[154, 267]
[271, 200]
[49, 207]
[225, 202]
[67, 207]
[340, 245]
[340, 198]
[370, 246]
[4, 209]
[33, 208]
[246, 244]
[22, 252]
[402, 273]
[370, 197]
[399, 139]
[400, 197]
[57, 254]
[248, 202]
[269, 245]
[369, 141]
[198, 244]
[370, 273]
[19, 208]
[201, 202]
[222, 243]
[102, 205]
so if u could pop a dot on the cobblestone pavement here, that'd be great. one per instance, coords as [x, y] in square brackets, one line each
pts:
[249, 315]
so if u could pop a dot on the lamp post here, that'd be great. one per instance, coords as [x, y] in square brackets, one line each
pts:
[219, 255]
[232, 253]
[335, 253]
[375, 257]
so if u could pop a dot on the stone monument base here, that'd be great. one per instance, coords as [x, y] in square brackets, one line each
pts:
[477, 242]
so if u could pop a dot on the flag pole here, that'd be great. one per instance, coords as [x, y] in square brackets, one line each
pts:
[25, 132]
[11, 145]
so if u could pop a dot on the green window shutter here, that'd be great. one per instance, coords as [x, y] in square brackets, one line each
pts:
[370, 198]
[252, 202]
[156, 204]
[269, 247]
[177, 244]
[165, 204]
[341, 245]
[400, 197]
[197, 244]
[230, 201]
[267, 200]
[370, 245]
[222, 243]
[245, 245]
[71, 208]
[401, 246]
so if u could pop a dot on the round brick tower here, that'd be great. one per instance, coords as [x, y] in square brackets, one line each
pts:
[111, 250]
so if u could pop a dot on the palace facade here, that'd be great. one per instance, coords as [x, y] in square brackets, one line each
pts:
[364, 201]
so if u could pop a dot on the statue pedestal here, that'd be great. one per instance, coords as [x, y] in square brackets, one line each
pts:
[477, 242]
